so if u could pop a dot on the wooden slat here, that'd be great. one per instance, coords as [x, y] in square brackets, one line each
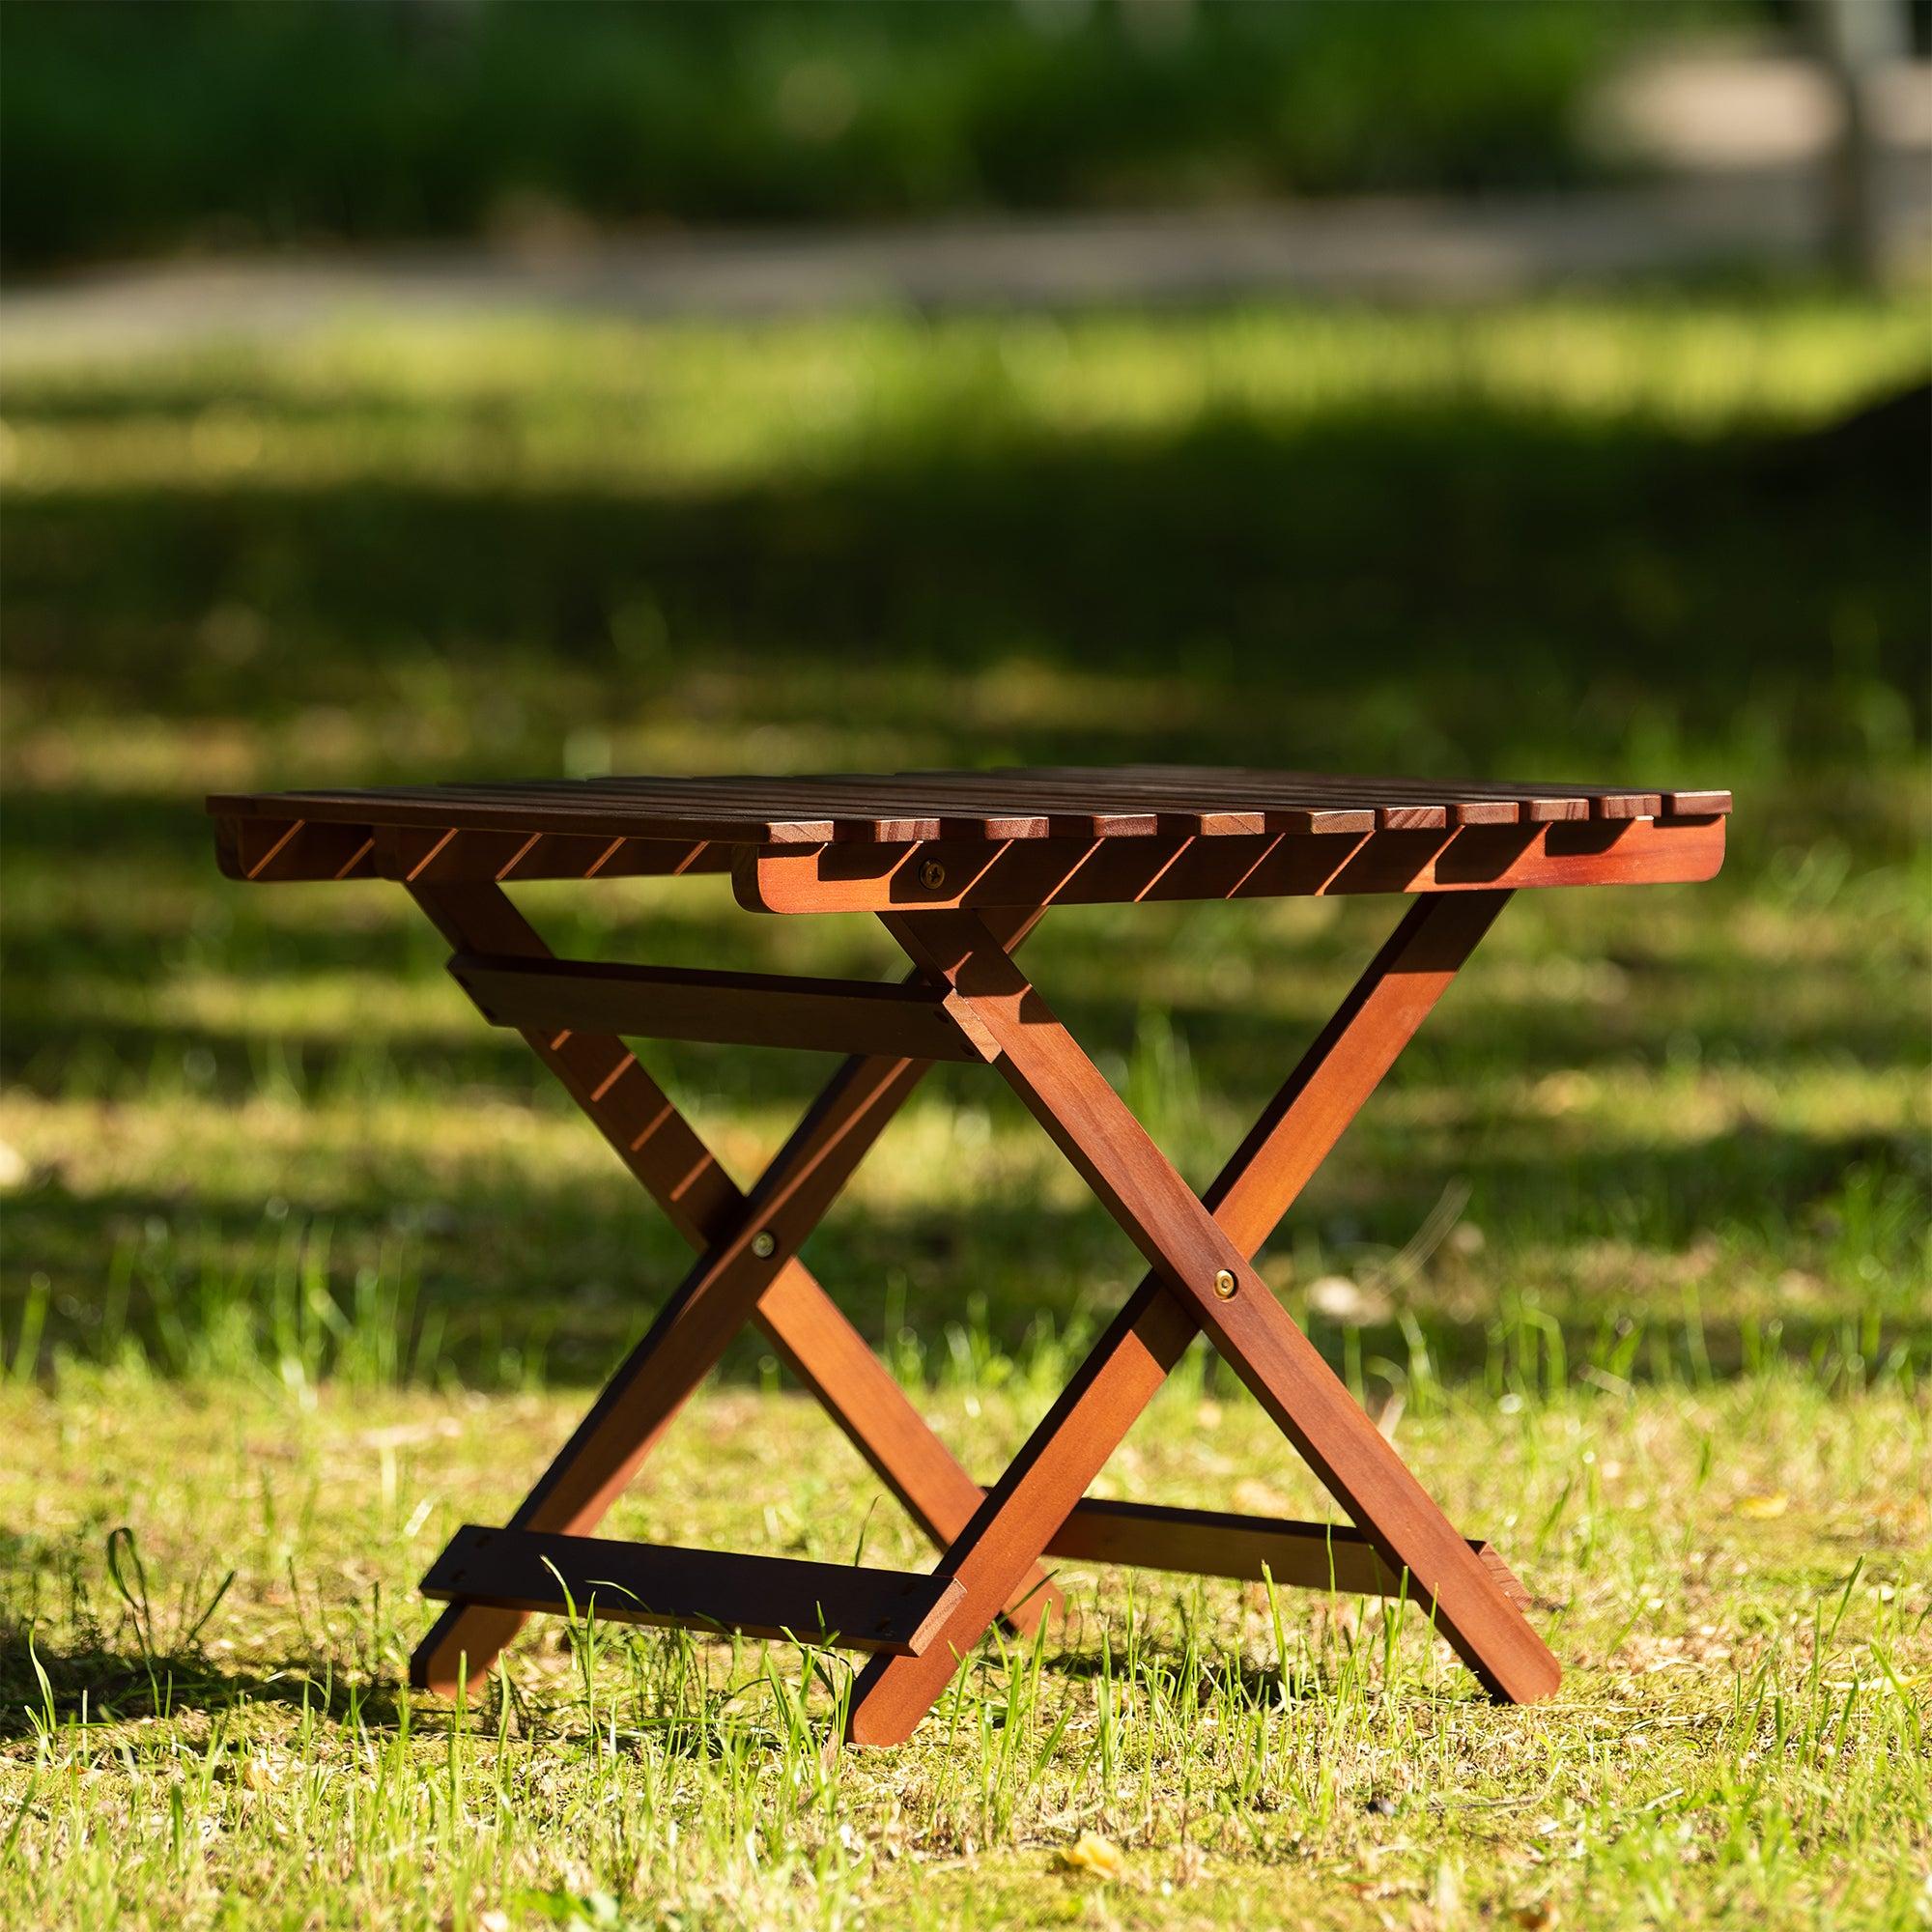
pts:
[269, 851]
[777, 1597]
[1696, 804]
[1398, 803]
[439, 855]
[1022, 804]
[1058, 871]
[1210, 1543]
[911, 806]
[903, 1019]
[266, 851]
[509, 810]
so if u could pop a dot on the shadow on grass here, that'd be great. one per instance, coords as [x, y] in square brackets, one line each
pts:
[55, 1026]
[1253, 1686]
[1467, 587]
[95, 1681]
[492, 1280]
[1425, 587]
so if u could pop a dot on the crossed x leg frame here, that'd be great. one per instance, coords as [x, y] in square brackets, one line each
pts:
[967, 987]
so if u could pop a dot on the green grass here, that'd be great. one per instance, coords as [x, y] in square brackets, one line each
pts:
[303, 1267]
[1740, 1736]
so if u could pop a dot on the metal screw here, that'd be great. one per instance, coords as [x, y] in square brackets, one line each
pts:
[933, 875]
[764, 1244]
[1225, 1285]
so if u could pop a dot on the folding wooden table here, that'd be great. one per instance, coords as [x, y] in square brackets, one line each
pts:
[958, 867]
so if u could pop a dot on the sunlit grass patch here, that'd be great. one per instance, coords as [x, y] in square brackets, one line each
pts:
[1741, 1731]
[305, 1265]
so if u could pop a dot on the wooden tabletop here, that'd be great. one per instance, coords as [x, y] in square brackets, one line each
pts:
[1033, 802]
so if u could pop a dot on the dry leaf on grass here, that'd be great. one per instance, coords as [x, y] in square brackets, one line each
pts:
[1092, 1853]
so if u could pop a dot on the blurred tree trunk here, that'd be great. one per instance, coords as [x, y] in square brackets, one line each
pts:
[1855, 39]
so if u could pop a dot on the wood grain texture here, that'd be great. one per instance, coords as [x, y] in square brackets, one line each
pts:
[274, 851]
[948, 875]
[1211, 1543]
[1187, 1248]
[959, 865]
[694, 1327]
[1027, 1507]
[1017, 804]
[903, 1020]
[268, 851]
[889, 1611]
[700, 1200]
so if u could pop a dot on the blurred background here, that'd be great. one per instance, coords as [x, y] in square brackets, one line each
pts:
[437, 389]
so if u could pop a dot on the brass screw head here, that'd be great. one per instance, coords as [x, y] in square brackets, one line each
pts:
[933, 875]
[764, 1244]
[1225, 1285]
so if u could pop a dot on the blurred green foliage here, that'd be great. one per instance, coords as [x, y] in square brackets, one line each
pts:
[130, 127]
[1667, 540]
[1579, 534]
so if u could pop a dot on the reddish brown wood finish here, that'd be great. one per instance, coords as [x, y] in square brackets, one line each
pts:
[1188, 1242]
[1016, 804]
[274, 851]
[1013, 837]
[907, 1021]
[889, 1611]
[1227, 859]
[929, 851]
[1187, 1249]
[1210, 1543]
[700, 1199]
[951, 876]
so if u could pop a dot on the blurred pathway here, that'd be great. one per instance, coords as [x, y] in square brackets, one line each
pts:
[1745, 137]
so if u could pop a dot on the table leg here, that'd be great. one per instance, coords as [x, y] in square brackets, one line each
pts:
[810, 1333]
[1189, 1243]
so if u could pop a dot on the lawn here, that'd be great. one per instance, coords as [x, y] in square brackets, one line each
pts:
[303, 1267]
